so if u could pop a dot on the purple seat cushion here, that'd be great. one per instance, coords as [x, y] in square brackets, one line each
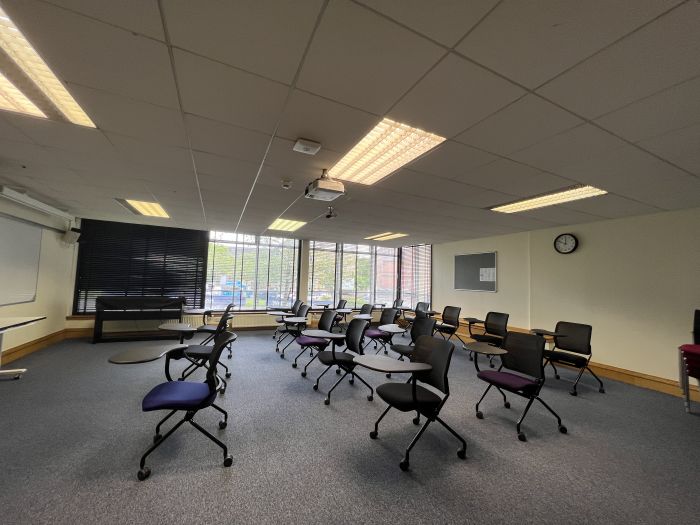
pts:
[690, 349]
[512, 382]
[178, 395]
[376, 333]
[305, 340]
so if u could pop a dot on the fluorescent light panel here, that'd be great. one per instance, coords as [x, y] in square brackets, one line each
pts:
[572, 194]
[386, 236]
[28, 60]
[149, 209]
[12, 99]
[286, 225]
[385, 149]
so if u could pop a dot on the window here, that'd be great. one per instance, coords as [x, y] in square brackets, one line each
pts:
[136, 260]
[253, 272]
[416, 274]
[355, 272]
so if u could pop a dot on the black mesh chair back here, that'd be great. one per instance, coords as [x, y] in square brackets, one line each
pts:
[577, 337]
[437, 353]
[424, 326]
[366, 308]
[389, 316]
[303, 310]
[341, 304]
[496, 323]
[295, 307]
[696, 328]
[326, 321]
[223, 323]
[354, 335]
[220, 342]
[525, 354]
[450, 315]
[398, 303]
[421, 310]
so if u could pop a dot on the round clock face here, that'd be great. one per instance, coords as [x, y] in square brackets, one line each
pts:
[565, 243]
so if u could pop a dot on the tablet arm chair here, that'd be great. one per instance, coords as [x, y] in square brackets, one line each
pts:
[379, 337]
[419, 312]
[315, 343]
[280, 320]
[424, 326]
[398, 303]
[211, 329]
[450, 323]
[292, 330]
[190, 398]
[198, 355]
[411, 397]
[573, 349]
[345, 360]
[339, 317]
[495, 330]
[524, 376]
[366, 309]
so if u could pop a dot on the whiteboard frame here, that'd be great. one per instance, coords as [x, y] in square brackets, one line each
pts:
[495, 257]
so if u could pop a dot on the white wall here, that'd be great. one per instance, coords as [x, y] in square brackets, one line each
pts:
[635, 280]
[54, 287]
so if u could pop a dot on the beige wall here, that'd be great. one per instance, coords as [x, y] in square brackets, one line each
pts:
[635, 280]
[54, 287]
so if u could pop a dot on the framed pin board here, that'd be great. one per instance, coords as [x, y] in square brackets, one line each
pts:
[476, 272]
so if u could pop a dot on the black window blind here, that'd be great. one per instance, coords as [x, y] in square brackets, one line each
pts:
[136, 260]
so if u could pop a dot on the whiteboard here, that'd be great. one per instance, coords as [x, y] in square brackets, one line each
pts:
[476, 272]
[20, 249]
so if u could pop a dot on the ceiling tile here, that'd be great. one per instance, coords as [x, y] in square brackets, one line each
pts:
[570, 147]
[519, 125]
[220, 92]
[267, 38]
[224, 139]
[140, 152]
[531, 42]
[364, 60]
[514, 179]
[223, 166]
[451, 160]
[657, 56]
[673, 108]
[682, 147]
[611, 206]
[445, 21]
[10, 132]
[336, 126]
[453, 96]
[95, 54]
[560, 215]
[140, 16]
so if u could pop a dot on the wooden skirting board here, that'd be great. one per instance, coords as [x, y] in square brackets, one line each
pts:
[660, 384]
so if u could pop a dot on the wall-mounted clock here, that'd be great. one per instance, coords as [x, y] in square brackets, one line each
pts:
[566, 243]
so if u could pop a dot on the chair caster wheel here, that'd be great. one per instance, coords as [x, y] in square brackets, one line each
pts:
[521, 436]
[562, 429]
[388, 376]
[180, 378]
[351, 381]
[337, 371]
[157, 438]
[281, 356]
[404, 465]
[386, 352]
[492, 365]
[416, 421]
[573, 393]
[228, 461]
[601, 390]
[229, 356]
[370, 398]
[303, 374]
[506, 404]
[315, 387]
[294, 365]
[222, 391]
[373, 434]
[222, 425]
[326, 401]
[143, 473]
[479, 414]
[228, 374]
[556, 376]
[462, 454]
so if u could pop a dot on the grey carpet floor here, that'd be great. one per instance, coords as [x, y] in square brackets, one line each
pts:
[72, 432]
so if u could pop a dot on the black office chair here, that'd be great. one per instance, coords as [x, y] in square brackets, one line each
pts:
[280, 320]
[344, 359]
[495, 330]
[315, 343]
[377, 336]
[573, 348]
[366, 309]
[410, 397]
[292, 330]
[211, 329]
[188, 397]
[525, 357]
[198, 355]
[424, 326]
[398, 303]
[450, 323]
[339, 317]
[420, 311]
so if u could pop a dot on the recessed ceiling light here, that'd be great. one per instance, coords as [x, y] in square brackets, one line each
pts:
[372, 237]
[572, 194]
[12, 99]
[286, 225]
[18, 48]
[148, 209]
[386, 148]
[387, 236]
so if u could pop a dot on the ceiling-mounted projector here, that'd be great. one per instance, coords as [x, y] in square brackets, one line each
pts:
[324, 189]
